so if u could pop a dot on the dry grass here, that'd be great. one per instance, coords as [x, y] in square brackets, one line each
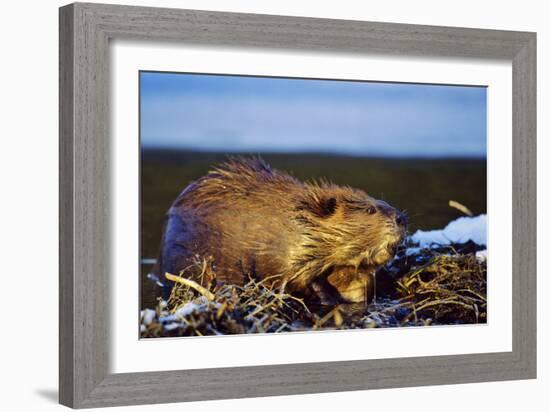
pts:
[430, 287]
[223, 309]
[449, 289]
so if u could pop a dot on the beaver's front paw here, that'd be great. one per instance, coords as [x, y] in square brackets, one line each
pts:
[353, 286]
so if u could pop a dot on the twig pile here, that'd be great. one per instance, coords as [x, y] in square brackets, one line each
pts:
[436, 286]
[220, 309]
[449, 289]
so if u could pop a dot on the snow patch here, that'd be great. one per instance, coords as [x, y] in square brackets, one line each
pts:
[172, 326]
[187, 309]
[147, 316]
[460, 230]
[413, 251]
[481, 255]
[168, 318]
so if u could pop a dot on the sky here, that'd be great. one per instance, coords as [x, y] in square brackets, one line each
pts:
[258, 114]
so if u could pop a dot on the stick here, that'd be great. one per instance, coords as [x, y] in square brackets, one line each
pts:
[192, 284]
[461, 207]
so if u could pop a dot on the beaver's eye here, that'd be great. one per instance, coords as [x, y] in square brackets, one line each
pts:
[371, 210]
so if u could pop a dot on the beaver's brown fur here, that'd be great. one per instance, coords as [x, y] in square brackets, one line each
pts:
[352, 285]
[247, 219]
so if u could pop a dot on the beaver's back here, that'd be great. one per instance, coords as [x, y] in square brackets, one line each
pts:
[239, 218]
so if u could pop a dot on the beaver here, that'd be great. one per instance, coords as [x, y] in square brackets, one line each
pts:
[313, 239]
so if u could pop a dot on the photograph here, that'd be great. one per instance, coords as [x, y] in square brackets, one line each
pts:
[280, 204]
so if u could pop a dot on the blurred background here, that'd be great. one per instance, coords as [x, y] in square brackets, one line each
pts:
[415, 146]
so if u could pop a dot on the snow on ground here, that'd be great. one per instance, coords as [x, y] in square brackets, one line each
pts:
[481, 255]
[147, 316]
[460, 230]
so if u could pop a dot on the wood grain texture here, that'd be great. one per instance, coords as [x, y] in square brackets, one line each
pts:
[524, 225]
[85, 31]
[66, 229]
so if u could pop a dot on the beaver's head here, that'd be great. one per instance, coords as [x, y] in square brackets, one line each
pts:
[347, 227]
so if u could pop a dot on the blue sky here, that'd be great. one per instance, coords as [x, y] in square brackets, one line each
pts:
[255, 114]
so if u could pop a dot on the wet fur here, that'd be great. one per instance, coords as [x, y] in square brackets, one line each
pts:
[247, 219]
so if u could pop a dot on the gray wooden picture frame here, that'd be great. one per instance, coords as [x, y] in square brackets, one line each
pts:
[85, 32]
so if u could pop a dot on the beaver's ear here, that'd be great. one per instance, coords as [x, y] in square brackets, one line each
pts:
[322, 207]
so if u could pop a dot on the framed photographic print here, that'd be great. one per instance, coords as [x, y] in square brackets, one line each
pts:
[284, 201]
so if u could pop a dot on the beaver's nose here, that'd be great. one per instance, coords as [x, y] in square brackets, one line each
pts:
[402, 218]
